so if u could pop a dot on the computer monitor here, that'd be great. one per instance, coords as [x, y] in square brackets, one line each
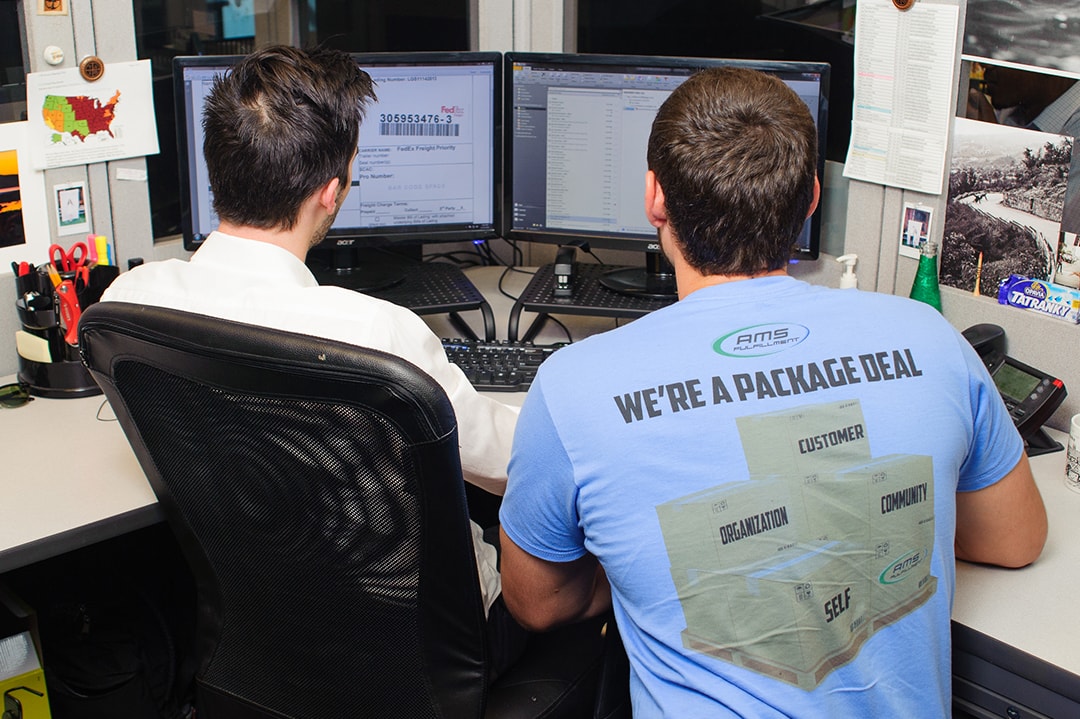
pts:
[428, 167]
[577, 134]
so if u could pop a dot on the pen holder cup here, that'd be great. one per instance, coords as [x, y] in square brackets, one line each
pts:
[40, 319]
[50, 366]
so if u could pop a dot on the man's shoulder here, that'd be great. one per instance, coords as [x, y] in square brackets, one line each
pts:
[143, 278]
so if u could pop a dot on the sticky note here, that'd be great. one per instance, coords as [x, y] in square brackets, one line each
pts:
[32, 347]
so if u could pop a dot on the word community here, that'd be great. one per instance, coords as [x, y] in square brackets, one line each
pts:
[672, 397]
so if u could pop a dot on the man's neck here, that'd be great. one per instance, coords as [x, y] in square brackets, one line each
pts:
[290, 240]
[690, 280]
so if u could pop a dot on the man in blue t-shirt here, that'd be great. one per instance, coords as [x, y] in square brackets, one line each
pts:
[768, 481]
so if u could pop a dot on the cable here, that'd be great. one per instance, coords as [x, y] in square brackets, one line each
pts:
[505, 272]
[569, 337]
[592, 254]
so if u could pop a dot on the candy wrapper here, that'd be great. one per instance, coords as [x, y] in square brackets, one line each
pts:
[1041, 296]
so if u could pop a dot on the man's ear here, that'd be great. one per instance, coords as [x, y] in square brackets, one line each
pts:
[817, 197]
[328, 195]
[655, 209]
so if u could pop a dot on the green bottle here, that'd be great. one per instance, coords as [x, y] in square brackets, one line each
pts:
[925, 288]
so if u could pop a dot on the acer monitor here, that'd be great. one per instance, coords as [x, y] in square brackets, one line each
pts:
[428, 167]
[577, 131]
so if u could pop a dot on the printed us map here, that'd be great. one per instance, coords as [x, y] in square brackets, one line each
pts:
[79, 116]
[78, 122]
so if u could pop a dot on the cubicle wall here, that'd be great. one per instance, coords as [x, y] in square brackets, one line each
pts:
[119, 202]
[874, 214]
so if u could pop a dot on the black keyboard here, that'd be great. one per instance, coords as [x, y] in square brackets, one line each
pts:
[498, 365]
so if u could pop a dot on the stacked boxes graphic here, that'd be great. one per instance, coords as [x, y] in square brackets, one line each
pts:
[789, 572]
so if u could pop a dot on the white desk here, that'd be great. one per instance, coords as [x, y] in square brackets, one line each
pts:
[1016, 631]
[68, 480]
[53, 503]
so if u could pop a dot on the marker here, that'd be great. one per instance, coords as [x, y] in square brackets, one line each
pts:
[104, 256]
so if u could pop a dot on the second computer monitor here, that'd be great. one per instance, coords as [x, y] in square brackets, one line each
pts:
[577, 132]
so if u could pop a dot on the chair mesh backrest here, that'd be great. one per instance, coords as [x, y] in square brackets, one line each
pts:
[304, 519]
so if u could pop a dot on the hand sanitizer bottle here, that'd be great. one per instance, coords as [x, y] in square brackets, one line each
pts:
[848, 280]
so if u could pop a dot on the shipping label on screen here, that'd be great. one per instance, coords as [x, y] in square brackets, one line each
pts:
[424, 150]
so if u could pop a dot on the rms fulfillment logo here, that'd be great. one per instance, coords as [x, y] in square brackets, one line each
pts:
[760, 340]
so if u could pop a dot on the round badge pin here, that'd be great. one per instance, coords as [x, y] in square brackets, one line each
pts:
[91, 68]
[903, 4]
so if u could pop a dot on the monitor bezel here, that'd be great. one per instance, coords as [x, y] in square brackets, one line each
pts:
[361, 237]
[638, 243]
[184, 165]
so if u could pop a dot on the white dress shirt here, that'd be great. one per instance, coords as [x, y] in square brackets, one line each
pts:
[261, 284]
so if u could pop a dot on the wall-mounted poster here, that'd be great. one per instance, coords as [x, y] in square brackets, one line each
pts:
[1005, 198]
[24, 226]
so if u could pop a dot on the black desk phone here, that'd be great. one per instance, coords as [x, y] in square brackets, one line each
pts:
[1030, 394]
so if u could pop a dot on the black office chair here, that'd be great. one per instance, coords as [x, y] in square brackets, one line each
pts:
[316, 490]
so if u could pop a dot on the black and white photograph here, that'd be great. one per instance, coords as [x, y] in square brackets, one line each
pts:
[1036, 33]
[1003, 215]
[1036, 100]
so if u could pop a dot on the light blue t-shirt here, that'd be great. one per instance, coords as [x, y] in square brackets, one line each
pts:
[767, 472]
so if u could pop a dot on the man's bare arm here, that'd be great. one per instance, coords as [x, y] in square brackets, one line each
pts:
[1003, 524]
[542, 595]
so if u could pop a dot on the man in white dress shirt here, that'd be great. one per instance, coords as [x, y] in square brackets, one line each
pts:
[281, 131]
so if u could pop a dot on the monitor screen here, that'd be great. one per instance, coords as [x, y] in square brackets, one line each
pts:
[577, 133]
[428, 167]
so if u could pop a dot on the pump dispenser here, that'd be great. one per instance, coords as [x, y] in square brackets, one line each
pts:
[848, 280]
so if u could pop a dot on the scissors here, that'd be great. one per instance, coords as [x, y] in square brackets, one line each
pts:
[69, 260]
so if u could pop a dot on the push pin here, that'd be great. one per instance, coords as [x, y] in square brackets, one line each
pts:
[91, 68]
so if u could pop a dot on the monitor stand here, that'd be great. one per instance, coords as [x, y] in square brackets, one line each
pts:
[655, 281]
[400, 275]
[355, 269]
[587, 297]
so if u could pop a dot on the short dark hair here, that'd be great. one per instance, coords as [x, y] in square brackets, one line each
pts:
[279, 125]
[735, 152]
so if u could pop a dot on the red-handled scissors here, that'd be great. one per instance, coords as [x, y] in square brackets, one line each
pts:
[68, 260]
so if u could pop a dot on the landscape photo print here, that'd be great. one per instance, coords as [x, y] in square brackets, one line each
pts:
[1003, 212]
